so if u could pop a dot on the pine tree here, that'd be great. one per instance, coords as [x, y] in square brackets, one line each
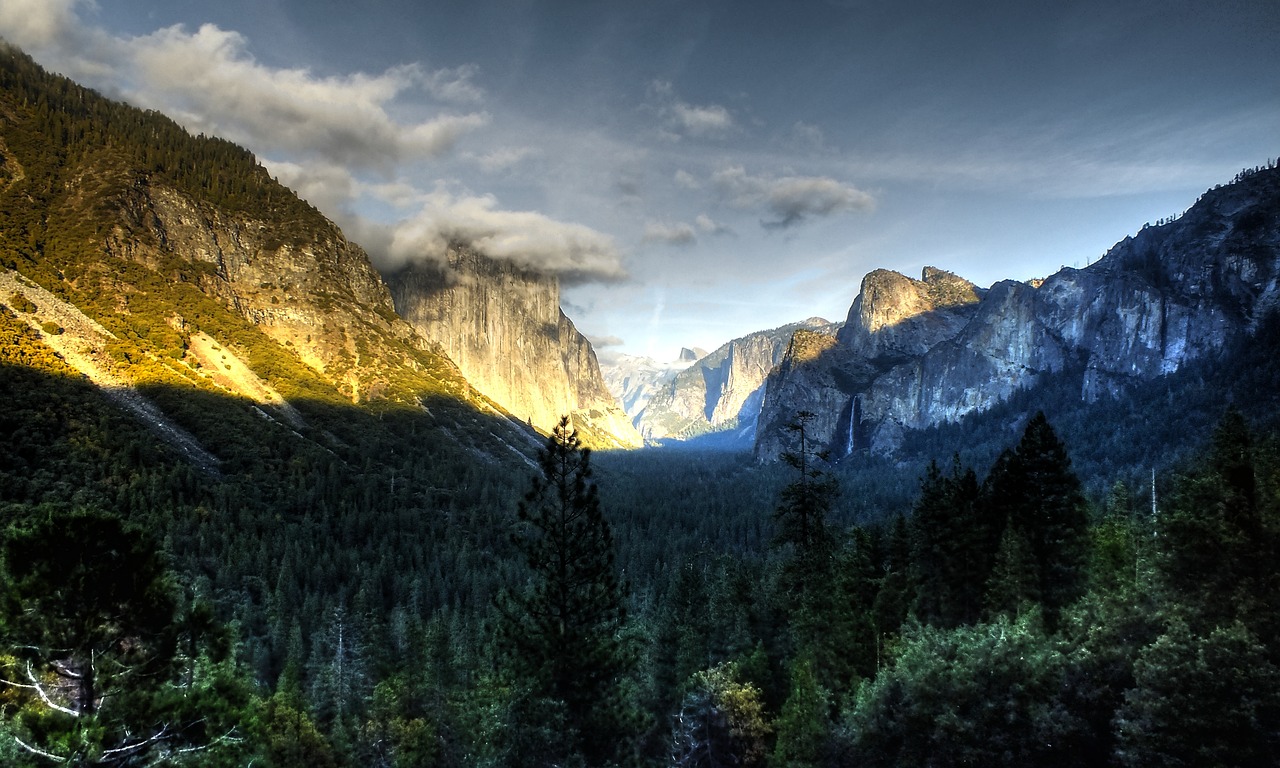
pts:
[1034, 486]
[1216, 554]
[102, 670]
[803, 725]
[562, 632]
[1201, 700]
[953, 547]
[805, 504]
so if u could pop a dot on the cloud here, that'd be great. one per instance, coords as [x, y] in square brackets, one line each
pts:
[503, 159]
[573, 252]
[709, 225]
[809, 136]
[603, 342]
[336, 140]
[685, 179]
[671, 234]
[683, 119]
[208, 81]
[215, 85]
[38, 23]
[789, 199]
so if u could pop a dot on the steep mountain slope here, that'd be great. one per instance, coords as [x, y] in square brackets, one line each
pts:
[503, 326]
[1167, 296]
[197, 269]
[722, 391]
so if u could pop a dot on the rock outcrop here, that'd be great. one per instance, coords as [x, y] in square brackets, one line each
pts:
[724, 390]
[914, 354]
[317, 295]
[503, 327]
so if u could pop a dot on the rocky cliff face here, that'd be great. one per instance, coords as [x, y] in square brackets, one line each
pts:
[502, 325]
[722, 391]
[633, 380]
[917, 353]
[319, 296]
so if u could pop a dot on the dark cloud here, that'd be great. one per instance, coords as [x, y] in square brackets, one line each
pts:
[788, 200]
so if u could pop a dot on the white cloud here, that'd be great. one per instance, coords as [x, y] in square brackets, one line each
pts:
[709, 225]
[683, 119]
[38, 23]
[671, 234]
[215, 85]
[454, 84]
[808, 136]
[503, 159]
[789, 199]
[209, 81]
[573, 252]
[685, 179]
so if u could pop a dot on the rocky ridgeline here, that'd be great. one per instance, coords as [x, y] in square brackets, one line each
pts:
[503, 326]
[916, 353]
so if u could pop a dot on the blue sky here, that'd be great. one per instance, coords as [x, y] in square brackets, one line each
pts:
[696, 171]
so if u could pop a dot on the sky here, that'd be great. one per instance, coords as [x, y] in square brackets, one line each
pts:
[696, 170]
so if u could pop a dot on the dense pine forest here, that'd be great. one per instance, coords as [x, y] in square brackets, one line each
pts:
[1051, 582]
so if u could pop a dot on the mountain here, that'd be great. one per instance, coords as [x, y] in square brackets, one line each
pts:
[634, 379]
[722, 391]
[916, 354]
[157, 263]
[503, 326]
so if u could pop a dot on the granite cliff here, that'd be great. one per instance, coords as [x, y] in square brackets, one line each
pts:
[503, 326]
[723, 391]
[918, 353]
[155, 262]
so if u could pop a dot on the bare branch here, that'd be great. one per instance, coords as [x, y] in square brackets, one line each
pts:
[39, 752]
[31, 675]
[138, 744]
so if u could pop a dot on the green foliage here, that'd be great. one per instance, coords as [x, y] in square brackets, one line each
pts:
[98, 660]
[953, 538]
[1042, 501]
[721, 721]
[562, 631]
[803, 726]
[1217, 539]
[1201, 700]
[805, 504]
[978, 695]
[356, 551]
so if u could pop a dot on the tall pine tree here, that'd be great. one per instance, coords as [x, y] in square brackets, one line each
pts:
[562, 632]
[1034, 488]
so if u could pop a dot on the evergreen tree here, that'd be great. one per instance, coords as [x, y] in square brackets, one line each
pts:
[953, 546]
[1216, 555]
[102, 666]
[1201, 700]
[1034, 488]
[804, 506]
[803, 725]
[1014, 582]
[562, 632]
[801, 517]
[893, 601]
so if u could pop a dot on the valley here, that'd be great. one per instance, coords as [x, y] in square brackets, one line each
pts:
[267, 505]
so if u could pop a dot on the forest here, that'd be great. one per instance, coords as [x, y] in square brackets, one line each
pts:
[1050, 582]
[312, 608]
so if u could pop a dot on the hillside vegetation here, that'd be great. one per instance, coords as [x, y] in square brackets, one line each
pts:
[376, 567]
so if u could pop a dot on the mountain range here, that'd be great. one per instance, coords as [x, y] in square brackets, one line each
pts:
[914, 354]
[144, 256]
